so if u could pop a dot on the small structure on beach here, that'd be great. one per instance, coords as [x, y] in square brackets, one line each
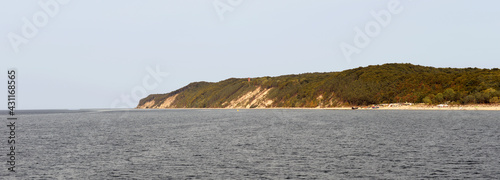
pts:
[395, 105]
[442, 105]
[408, 104]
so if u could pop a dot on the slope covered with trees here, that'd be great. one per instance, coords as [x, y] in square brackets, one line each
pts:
[386, 83]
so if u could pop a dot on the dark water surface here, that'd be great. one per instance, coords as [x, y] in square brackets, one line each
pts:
[255, 144]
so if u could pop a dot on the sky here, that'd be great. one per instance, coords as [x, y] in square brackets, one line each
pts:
[109, 54]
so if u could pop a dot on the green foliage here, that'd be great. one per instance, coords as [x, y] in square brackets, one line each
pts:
[439, 98]
[427, 100]
[449, 94]
[360, 86]
[495, 100]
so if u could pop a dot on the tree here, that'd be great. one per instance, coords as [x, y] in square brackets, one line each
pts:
[495, 100]
[449, 94]
[470, 99]
[480, 97]
[427, 100]
[439, 98]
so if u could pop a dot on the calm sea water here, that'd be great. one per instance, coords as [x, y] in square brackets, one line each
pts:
[255, 144]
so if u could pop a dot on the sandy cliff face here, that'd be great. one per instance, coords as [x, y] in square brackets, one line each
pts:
[257, 98]
[146, 105]
[167, 103]
[253, 99]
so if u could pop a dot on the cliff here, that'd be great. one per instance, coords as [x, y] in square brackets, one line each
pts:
[361, 86]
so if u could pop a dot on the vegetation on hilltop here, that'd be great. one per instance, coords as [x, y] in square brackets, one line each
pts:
[361, 86]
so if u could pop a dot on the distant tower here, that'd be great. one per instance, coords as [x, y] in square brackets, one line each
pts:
[248, 79]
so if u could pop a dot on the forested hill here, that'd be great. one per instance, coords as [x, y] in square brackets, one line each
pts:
[386, 83]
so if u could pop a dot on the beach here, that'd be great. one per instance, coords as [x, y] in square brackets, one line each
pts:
[479, 107]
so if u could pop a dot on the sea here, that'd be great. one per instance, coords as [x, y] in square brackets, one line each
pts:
[253, 144]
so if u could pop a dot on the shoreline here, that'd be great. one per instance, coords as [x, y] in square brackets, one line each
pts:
[476, 107]
[435, 108]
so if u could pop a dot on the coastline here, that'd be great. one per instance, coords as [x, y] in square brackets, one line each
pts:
[473, 107]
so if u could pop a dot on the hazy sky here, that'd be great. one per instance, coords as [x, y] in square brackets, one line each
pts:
[102, 54]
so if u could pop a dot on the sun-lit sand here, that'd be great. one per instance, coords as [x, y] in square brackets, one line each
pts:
[482, 107]
[479, 107]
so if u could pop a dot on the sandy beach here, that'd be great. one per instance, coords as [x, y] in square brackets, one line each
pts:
[479, 107]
